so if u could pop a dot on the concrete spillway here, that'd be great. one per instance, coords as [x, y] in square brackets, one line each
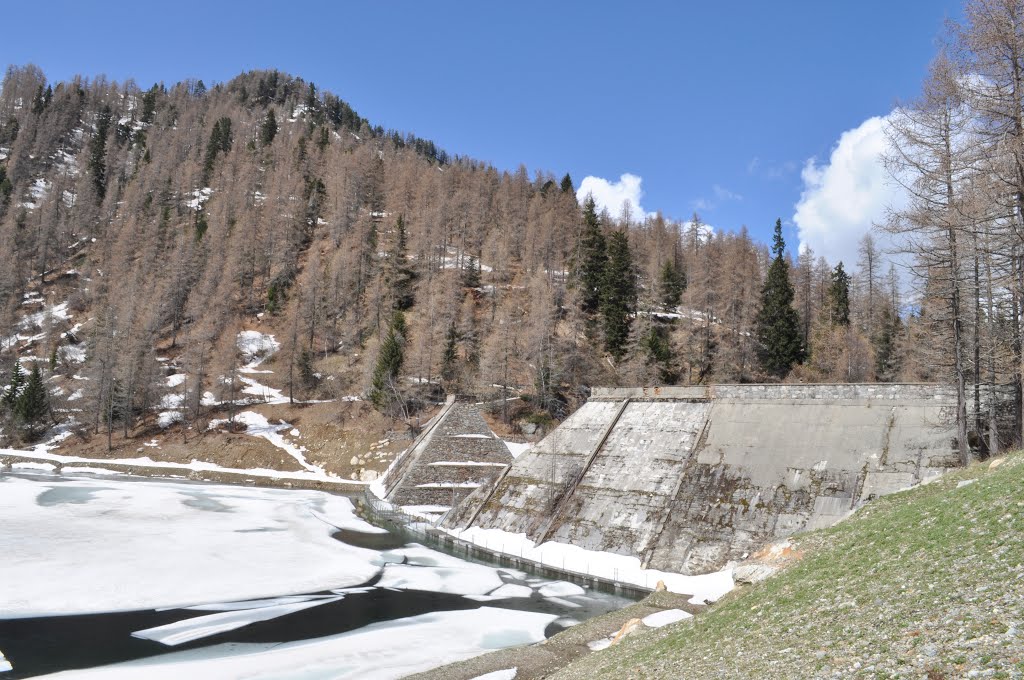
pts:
[456, 454]
[690, 478]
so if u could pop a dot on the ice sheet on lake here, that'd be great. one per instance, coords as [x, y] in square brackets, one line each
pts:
[382, 651]
[512, 590]
[561, 589]
[83, 545]
[417, 568]
[264, 602]
[5, 665]
[194, 628]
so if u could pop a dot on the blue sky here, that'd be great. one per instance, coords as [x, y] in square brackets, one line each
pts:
[717, 107]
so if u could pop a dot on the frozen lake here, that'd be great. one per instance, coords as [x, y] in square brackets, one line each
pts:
[112, 577]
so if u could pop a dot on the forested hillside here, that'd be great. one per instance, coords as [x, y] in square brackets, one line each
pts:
[142, 229]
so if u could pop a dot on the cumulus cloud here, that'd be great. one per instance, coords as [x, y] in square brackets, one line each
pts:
[842, 198]
[613, 195]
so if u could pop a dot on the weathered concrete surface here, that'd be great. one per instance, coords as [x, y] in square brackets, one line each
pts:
[690, 478]
[532, 488]
[457, 454]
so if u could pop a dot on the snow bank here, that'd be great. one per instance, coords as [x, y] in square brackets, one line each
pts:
[622, 568]
[256, 346]
[663, 618]
[41, 451]
[507, 674]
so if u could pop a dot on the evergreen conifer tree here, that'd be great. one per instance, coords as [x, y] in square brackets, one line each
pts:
[777, 323]
[390, 358]
[618, 295]
[269, 128]
[450, 357]
[33, 404]
[659, 353]
[591, 259]
[471, 274]
[98, 153]
[15, 386]
[839, 297]
[887, 364]
[149, 105]
[673, 283]
[402, 276]
[220, 142]
[567, 187]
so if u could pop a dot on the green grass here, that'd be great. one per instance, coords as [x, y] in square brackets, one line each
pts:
[924, 583]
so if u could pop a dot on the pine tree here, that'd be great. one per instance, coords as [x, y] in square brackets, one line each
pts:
[471, 274]
[33, 405]
[673, 283]
[591, 259]
[390, 358]
[98, 154]
[306, 373]
[6, 188]
[887, 363]
[618, 295]
[149, 105]
[450, 357]
[567, 187]
[15, 386]
[401, 275]
[220, 142]
[777, 323]
[839, 297]
[269, 129]
[659, 353]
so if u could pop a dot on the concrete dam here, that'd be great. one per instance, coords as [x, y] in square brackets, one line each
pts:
[689, 478]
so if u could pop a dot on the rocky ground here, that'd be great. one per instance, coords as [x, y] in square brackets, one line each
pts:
[349, 439]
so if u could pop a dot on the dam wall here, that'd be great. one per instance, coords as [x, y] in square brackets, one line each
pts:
[689, 478]
[456, 454]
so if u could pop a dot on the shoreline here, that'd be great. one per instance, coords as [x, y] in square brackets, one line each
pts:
[197, 471]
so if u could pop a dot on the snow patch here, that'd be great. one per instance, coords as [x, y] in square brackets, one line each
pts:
[663, 618]
[517, 449]
[257, 425]
[507, 674]
[199, 197]
[256, 346]
[703, 588]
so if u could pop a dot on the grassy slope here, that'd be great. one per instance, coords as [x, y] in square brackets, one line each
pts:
[924, 583]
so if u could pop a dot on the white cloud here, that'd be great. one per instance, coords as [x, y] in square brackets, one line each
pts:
[842, 198]
[612, 196]
[723, 194]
